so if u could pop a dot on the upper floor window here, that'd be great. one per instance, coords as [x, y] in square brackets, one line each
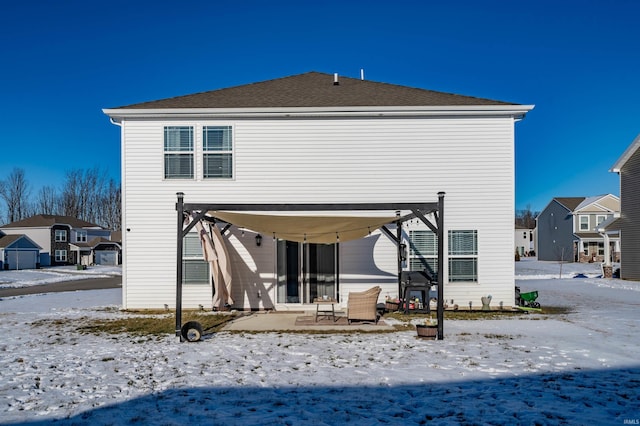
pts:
[178, 152]
[584, 222]
[463, 256]
[217, 146]
[81, 236]
[61, 235]
[600, 218]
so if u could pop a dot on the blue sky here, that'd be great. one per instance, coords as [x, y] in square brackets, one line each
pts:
[577, 61]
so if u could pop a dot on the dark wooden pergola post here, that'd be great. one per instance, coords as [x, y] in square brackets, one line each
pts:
[180, 235]
[398, 241]
[440, 224]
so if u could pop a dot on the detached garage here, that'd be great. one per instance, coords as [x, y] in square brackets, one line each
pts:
[19, 252]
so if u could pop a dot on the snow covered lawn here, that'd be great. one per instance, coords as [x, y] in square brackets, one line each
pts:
[55, 274]
[578, 368]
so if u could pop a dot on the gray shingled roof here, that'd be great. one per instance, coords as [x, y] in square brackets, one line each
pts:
[47, 220]
[314, 89]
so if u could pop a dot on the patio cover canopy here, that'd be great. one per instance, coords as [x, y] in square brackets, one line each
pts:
[302, 227]
[310, 229]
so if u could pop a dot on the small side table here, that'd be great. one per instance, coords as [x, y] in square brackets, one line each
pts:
[325, 304]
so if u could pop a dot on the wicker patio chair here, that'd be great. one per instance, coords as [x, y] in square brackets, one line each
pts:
[363, 305]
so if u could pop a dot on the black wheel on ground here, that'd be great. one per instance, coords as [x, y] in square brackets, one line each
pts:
[192, 331]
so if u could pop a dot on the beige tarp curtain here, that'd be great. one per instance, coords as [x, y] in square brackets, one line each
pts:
[215, 252]
[310, 229]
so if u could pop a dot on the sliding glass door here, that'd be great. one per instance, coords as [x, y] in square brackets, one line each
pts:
[306, 271]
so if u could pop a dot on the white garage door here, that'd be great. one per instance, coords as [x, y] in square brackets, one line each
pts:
[22, 259]
[106, 257]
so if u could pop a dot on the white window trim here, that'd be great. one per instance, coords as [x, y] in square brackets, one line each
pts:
[580, 217]
[60, 256]
[195, 257]
[191, 152]
[416, 256]
[81, 236]
[206, 152]
[452, 257]
[60, 236]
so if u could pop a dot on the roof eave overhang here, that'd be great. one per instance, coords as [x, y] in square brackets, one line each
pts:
[631, 149]
[516, 111]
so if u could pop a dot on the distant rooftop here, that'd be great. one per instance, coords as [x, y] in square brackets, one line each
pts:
[571, 203]
[48, 220]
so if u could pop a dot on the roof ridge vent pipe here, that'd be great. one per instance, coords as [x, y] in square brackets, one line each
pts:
[362, 74]
[335, 79]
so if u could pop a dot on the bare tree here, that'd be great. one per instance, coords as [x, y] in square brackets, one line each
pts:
[82, 193]
[111, 207]
[88, 195]
[526, 218]
[48, 201]
[15, 193]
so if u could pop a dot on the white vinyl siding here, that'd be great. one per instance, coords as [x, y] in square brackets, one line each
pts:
[178, 152]
[217, 146]
[324, 160]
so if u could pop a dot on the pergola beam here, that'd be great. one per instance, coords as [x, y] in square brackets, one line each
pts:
[423, 207]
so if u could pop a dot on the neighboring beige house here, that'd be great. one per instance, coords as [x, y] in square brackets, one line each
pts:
[588, 215]
[322, 140]
[567, 229]
[628, 167]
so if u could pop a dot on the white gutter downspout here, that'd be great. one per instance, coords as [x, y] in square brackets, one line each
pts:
[122, 224]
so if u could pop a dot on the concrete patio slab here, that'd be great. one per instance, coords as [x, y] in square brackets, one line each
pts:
[275, 321]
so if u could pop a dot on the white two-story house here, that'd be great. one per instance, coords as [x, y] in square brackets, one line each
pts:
[331, 142]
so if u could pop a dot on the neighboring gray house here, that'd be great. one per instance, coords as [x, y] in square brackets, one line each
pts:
[63, 240]
[18, 252]
[628, 167]
[568, 229]
[555, 229]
